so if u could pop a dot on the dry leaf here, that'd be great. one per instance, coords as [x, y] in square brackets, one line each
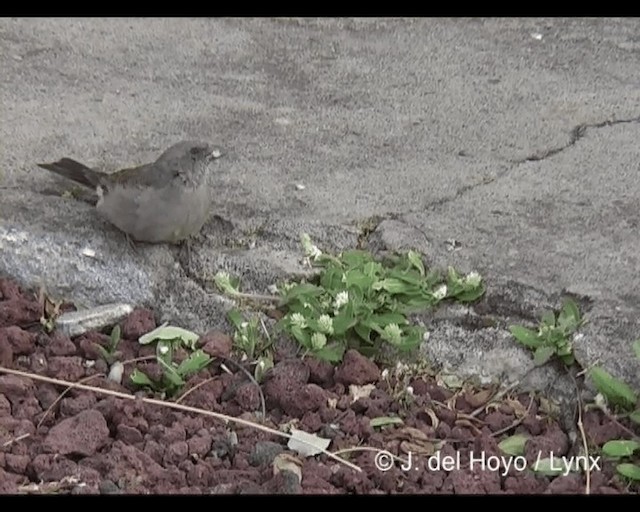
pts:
[466, 423]
[306, 444]
[450, 381]
[357, 392]
[287, 462]
[548, 407]
[480, 398]
[410, 433]
[424, 448]
[383, 421]
[435, 421]
[519, 409]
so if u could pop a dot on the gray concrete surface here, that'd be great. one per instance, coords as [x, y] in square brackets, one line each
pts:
[518, 138]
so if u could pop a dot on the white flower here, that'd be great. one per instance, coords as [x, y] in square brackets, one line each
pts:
[341, 299]
[426, 335]
[385, 374]
[318, 340]
[297, 319]
[393, 334]
[473, 279]
[410, 390]
[440, 292]
[325, 324]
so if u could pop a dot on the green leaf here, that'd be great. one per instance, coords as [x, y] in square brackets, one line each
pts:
[332, 352]
[568, 359]
[548, 467]
[392, 285]
[193, 364]
[385, 319]
[114, 338]
[164, 351]
[167, 332]
[525, 336]
[635, 416]
[332, 278]
[344, 321]
[542, 355]
[620, 448]
[415, 284]
[302, 290]
[416, 260]
[363, 331]
[265, 363]
[106, 355]
[355, 278]
[141, 379]
[631, 471]
[383, 421]
[514, 445]
[614, 390]
[303, 337]
[636, 348]
[356, 258]
[372, 269]
[171, 375]
[570, 311]
[411, 341]
[470, 295]
[548, 318]
[236, 318]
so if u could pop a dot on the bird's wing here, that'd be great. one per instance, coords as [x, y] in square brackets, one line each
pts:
[148, 175]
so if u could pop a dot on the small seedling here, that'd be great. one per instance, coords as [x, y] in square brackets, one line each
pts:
[168, 339]
[248, 336]
[249, 340]
[554, 334]
[109, 354]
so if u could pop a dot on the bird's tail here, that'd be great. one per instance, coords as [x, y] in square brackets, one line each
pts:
[73, 170]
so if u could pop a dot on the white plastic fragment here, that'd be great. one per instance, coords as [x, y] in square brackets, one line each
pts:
[116, 371]
[75, 323]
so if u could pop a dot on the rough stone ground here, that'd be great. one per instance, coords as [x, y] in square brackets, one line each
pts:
[507, 146]
[93, 443]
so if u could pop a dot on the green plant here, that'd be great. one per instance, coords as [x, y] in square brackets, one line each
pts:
[554, 334]
[110, 352]
[356, 301]
[619, 396]
[168, 340]
[248, 340]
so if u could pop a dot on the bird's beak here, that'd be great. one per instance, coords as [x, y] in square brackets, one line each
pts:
[215, 154]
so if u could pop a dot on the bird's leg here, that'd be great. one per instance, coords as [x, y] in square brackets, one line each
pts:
[186, 243]
[131, 243]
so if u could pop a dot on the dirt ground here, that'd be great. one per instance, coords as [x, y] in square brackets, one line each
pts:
[89, 442]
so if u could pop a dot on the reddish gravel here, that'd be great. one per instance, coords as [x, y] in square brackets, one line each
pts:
[94, 443]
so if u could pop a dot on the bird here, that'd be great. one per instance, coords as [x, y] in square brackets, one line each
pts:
[165, 201]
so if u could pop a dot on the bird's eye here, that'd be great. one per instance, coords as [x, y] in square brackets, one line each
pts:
[195, 150]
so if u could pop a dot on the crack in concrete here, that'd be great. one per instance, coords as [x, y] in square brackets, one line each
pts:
[576, 134]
